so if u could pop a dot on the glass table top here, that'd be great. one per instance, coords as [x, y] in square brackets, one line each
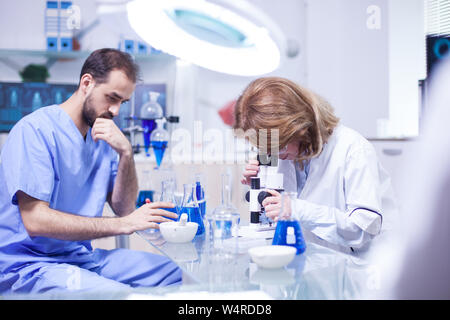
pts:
[225, 266]
[224, 270]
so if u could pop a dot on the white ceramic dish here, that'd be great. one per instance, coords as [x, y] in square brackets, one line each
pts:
[272, 257]
[177, 233]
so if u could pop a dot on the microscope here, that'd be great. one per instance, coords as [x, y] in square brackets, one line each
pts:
[268, 178]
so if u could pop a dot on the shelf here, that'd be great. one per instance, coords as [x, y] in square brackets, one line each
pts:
[53, 56]
[8, 53]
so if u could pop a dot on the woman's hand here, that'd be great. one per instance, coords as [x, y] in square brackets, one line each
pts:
[251, 170]
[273, 205]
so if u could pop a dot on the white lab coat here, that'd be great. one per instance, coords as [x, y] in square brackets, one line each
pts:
[347, 199]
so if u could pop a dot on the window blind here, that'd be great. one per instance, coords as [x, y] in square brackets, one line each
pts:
[437, 17]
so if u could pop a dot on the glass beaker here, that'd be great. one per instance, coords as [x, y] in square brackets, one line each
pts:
[191, 208]
[168, 195]
[288, 231]
[145, 191]
[225, 218]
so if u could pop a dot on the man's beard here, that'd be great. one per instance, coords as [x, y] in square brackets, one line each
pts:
[88, 112]
[89, 115]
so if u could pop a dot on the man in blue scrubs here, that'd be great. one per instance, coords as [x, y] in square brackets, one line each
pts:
[58, 167]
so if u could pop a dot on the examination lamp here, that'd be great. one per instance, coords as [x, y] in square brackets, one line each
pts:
[232, 37]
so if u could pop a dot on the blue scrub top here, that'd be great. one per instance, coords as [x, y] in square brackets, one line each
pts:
[46, 157]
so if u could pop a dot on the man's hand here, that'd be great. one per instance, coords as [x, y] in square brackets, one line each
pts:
[147, 216]
[106, 129]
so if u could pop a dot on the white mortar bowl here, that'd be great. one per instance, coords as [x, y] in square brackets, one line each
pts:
[272, 257]
[174, 232]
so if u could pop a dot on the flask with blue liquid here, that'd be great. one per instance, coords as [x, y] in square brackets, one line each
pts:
[150, 111]
[288, 231]
[158, 140]
[200, 193]
[190, 206]
[145, 191]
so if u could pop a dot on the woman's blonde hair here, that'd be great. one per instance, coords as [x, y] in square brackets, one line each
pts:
[277, 103]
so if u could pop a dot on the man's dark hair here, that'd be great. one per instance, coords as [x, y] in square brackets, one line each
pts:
[102, 61]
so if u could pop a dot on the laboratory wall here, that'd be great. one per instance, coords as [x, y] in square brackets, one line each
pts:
[367, 57]
[346, 60]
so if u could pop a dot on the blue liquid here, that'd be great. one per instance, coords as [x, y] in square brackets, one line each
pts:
[281, 234]
[174, 210]
[194, 215]
[225, 226]
[158, 148]
[200, 193]
[144, 194]
[148, 126]
[202, 206]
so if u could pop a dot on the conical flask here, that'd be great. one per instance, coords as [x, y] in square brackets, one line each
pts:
[288, 231]
[190, 206]
[200, 193]
[150, 111]
[168, 195]
[158, 140]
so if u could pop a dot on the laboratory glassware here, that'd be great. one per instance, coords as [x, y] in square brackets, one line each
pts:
[150, 111]
[143, 195]
[225, 217]
[145, 191]
[190, 207]
[288, 231]
[168, 195]
[158, 140]
[200, 193]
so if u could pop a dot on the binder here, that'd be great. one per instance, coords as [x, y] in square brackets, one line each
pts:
[52, 25]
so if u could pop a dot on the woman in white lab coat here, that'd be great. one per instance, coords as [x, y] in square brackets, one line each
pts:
[345, 198]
